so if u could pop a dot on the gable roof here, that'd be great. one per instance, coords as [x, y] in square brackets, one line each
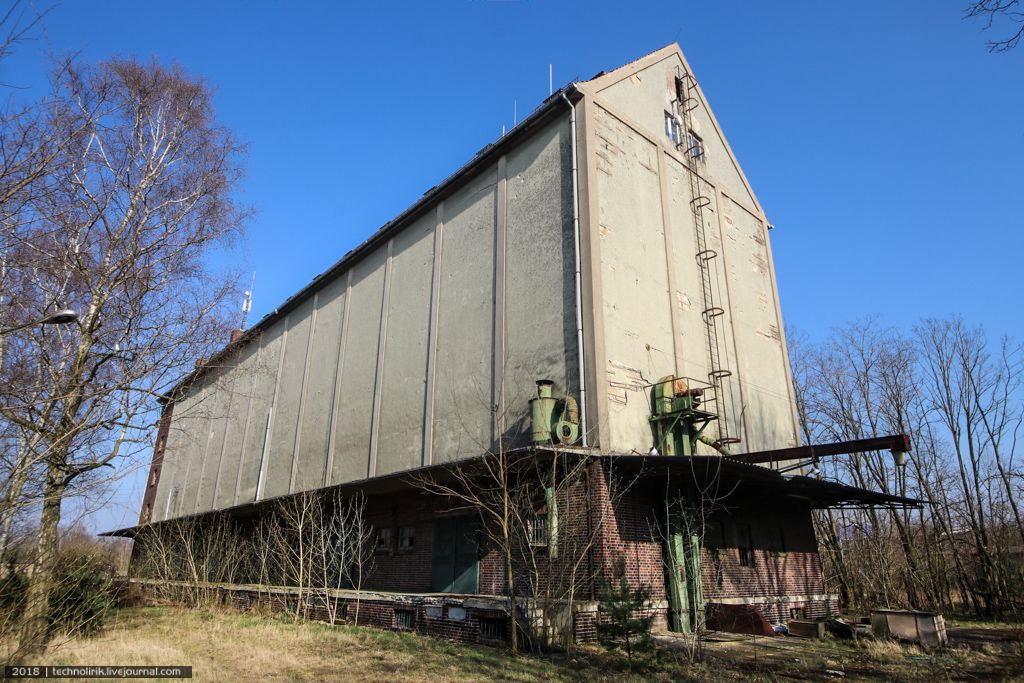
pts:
[606, 79]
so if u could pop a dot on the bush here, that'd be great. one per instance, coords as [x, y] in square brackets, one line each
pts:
[82, 594]
[12, 586]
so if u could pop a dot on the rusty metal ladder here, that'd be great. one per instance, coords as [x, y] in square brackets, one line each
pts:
[686, 102]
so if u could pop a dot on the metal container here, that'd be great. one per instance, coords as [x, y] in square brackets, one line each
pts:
[926, 628]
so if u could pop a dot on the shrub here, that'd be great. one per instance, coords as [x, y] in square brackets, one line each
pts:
[82, 593]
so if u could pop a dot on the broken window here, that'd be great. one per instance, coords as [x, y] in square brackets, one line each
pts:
[746, 545]
[406, 537]
[383, 539]
[694, 145]
[672, 128]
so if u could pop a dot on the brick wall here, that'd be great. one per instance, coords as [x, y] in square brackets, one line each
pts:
[626, 517]
[459, 619]
[757, 549]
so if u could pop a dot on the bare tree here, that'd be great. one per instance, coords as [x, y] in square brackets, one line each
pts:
[959, 398]
[138, 193]
[999, 11]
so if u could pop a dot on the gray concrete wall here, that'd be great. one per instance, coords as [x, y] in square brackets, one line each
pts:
[650, 315]
[399, 360]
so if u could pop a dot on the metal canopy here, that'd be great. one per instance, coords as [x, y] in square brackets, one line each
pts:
[728, 474]
[731, 476]
[899, 443]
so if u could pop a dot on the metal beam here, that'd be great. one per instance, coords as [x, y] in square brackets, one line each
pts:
[894, 442]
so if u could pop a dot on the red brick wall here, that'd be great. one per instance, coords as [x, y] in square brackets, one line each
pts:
[627, 521]
[403, 569]
[153, 481]
[782, 547]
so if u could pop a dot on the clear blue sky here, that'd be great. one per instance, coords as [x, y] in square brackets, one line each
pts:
[882, 139]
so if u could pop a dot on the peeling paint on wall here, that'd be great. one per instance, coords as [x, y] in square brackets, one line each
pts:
[624, 380]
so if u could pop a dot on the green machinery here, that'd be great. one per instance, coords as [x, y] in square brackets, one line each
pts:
[555, 420]
[678, 423]
[676, 417]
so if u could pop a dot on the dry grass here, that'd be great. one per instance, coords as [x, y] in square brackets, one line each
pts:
[222, 646]
[228, 646]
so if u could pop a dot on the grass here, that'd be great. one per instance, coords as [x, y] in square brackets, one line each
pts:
[229, 646]
[222, 645]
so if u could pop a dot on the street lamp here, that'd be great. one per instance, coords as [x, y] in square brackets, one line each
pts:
[59, 318]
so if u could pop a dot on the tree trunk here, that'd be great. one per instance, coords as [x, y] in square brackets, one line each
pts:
[35, 621]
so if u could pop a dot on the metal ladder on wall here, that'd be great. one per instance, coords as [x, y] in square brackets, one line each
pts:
[686, 102]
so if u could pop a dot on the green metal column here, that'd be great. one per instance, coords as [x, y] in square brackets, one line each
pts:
[695, 585]
[675, 560]
[552, 505]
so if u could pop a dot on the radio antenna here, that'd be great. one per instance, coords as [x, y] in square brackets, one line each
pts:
[247, 302]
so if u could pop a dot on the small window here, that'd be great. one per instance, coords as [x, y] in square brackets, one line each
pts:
[672, 127]
[538, 530]
[716, 562]
[383, 539]
[695, 145]
[492, 629]
[406, 537]
[796, 612]
[404, 618]
[746, 546]
[153, 477]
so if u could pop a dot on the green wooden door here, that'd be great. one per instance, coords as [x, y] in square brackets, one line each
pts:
[456, 562]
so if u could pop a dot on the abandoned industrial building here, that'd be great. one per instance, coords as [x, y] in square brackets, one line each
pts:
[590, 303]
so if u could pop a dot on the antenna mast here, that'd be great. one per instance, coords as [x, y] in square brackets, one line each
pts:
[247, 302]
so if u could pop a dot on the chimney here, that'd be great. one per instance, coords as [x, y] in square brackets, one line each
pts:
[236, 335]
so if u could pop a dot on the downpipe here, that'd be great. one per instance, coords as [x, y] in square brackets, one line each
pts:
[578, 277]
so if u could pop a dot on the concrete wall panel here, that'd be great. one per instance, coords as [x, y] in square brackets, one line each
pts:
[184, 442]
[287, 400]
[198, 444]
[219, 403]
[175, 463]
[264, 385]
[768, 408]
[463, 379]
[540, 288]
[354, 412]
[241, 393]
[317, 402]
[403, 386]
[637, 312]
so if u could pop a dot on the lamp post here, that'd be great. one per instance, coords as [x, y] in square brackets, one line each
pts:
[59, 318]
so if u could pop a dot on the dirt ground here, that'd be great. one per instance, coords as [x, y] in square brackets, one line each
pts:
[976, 652]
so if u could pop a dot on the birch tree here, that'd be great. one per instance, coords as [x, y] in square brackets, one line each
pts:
[136, 198]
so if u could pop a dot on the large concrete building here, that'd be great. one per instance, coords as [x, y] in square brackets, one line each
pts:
[608, 241]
